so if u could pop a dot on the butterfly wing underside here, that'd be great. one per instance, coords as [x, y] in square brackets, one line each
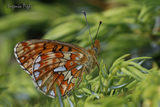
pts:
[51, 62]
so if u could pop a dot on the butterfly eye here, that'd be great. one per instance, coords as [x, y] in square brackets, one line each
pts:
[95, 49]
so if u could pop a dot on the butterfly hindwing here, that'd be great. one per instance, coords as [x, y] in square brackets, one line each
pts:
[62, 68]
[26, 52]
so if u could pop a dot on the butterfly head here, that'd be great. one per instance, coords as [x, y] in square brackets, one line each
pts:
[96, 44]
[96, 47]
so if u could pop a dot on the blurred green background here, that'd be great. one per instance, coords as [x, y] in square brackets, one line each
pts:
[128, 26]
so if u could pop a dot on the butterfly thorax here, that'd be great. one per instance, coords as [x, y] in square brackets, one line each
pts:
[92, 59]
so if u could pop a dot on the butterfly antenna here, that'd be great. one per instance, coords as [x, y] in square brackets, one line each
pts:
[98, 29]
[88, 27]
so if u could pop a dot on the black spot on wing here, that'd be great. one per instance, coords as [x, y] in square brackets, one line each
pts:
[55, 47]
[61, 48]
[70, 49]
[44, 46]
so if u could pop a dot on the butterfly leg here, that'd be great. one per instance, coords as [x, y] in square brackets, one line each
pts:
[96, 62]
[80, 75]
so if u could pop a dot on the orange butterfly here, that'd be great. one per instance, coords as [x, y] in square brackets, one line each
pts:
[50, 62]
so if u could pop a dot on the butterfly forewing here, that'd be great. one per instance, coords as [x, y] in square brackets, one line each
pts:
[51, 62]
[26, 52]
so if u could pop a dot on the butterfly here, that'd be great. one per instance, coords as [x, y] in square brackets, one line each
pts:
[49, 62]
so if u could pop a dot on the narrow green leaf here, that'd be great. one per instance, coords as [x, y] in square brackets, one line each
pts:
[118, 86]
[129, 73]
[139, 58]
[86, 91]
[59, 96]
[137, 72]
[70, 102]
